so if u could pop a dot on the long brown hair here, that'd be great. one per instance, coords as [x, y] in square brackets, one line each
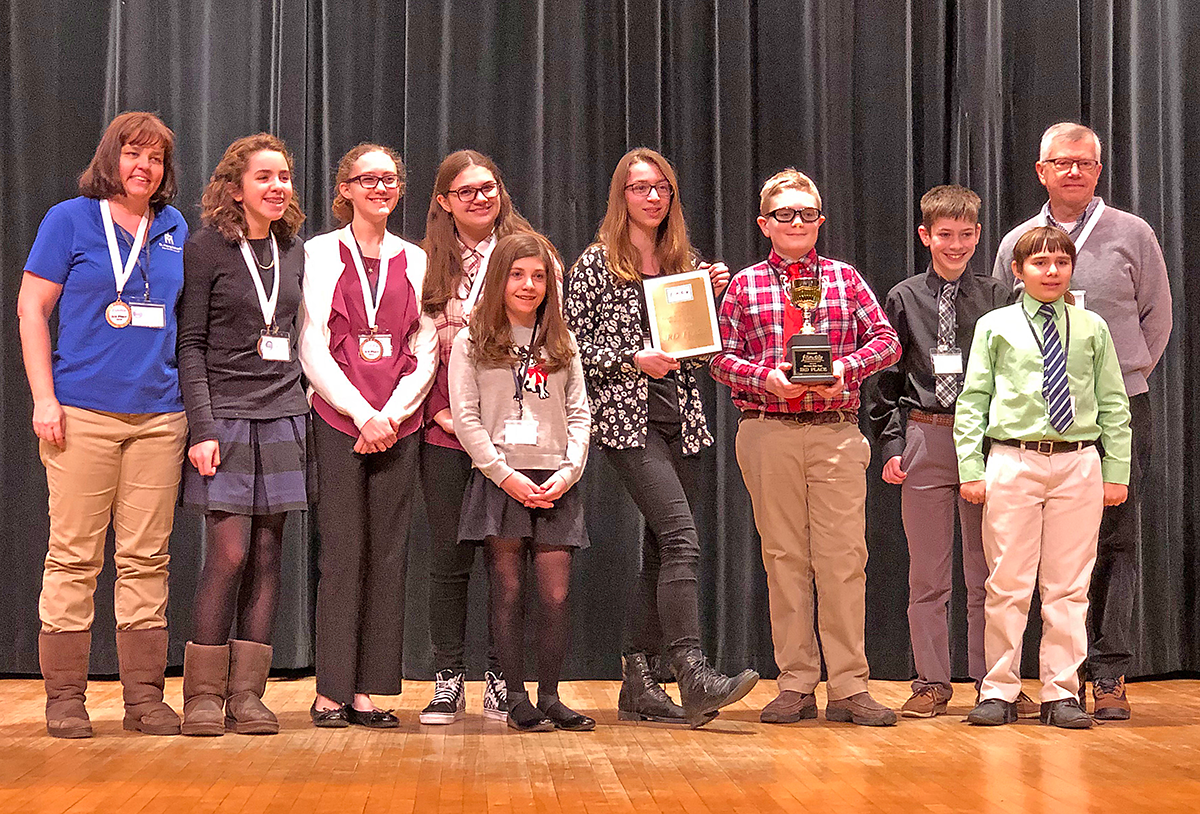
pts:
[218, 207]
[672, 247]
[342, 209]
[443, 274]
[102, 178]
[491, 333]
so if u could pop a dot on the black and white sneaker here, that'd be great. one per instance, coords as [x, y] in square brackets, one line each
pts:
[495, 696]
[449, 699]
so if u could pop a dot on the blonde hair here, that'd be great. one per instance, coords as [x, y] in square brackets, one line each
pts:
[790, 178]
[671, 244]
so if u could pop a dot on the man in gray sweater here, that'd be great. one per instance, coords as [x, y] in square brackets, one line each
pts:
[1121, 275]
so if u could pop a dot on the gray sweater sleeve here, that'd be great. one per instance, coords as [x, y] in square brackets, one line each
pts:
[1152, 290]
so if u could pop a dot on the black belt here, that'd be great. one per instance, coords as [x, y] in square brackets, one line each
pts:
[806, 417]
[1045, 447]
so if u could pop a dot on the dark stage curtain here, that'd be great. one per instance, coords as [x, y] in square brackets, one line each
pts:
[877, 101]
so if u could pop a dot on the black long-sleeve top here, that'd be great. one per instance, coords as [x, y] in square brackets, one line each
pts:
[220, 323]
[912, 308]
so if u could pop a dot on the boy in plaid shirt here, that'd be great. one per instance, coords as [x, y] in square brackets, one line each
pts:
[802, 457]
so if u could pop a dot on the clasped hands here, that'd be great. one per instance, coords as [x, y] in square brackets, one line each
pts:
[530, 494]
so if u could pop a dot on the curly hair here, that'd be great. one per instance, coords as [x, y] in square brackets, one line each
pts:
[342, 208]
[443, 274]
[219, 208]
[491, 332]
[672, 246]
[102, 178]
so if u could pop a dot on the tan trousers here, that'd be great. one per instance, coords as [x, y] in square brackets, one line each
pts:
[116, 467]
[1040, 526]
[808, 487]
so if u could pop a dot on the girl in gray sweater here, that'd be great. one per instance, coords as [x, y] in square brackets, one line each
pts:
[520, 410]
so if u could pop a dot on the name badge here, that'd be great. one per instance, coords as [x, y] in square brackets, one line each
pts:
[148, 314]
[275, 347]
[946, 362]
[521, 432]
[118, 314]
[373, 347]
[1080, 295]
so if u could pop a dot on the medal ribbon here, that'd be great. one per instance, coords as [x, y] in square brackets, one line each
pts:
[121, 273]
[267, 304]
[370, 303]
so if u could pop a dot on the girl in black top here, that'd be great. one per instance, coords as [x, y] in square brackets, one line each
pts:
[248, 425]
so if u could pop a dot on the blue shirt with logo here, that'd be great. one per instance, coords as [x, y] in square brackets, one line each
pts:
[97, 366]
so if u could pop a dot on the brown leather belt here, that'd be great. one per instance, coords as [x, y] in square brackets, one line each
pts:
[808, 417]
[936, 419]
[1045, 447]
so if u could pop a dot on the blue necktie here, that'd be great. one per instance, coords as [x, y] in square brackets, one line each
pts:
[1054, 376]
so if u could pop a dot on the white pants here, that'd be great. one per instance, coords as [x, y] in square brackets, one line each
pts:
[1040, 526]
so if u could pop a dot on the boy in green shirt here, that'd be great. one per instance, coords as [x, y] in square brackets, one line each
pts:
[1044, 386]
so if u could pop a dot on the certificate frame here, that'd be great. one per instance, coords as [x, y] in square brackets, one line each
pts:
[683, 314]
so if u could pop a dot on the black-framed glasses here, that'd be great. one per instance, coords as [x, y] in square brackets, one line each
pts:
[467, 194]
[1065, 164]
[786, 214]
[641, 189]
[370, 181]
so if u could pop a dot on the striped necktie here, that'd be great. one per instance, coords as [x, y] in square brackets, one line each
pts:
[1054, 377]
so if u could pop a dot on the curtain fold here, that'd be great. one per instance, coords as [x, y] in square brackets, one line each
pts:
[877, 102]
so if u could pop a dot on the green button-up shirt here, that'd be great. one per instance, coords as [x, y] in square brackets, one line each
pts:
[1002, 394]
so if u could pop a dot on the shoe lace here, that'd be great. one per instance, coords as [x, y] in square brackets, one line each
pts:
[1106, 686]
[446, 690]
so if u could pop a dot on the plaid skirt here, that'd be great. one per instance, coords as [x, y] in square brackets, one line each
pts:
[267, 467]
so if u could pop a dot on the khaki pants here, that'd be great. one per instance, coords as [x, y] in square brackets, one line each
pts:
[808, 487]
[117, 467]
[1040, 525]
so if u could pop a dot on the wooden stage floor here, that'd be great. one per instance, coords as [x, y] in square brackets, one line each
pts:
[735, 764]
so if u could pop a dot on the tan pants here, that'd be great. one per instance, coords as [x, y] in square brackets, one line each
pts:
[808, 487]
[1040, 525]
[117, 467]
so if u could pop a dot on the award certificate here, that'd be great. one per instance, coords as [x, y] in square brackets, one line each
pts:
[683, 314]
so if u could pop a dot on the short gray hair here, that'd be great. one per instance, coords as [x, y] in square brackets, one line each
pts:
[1070, 132]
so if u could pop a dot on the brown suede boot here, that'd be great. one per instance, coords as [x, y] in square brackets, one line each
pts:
[205, 673]
[64, 661]
[249, 664]
[142, 660]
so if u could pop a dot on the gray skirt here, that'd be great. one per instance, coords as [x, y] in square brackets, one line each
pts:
[488, 511]
[267, 467]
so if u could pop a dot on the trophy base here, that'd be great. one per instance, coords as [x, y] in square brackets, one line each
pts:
[812, 359]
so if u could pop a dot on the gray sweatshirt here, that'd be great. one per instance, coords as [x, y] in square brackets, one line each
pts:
[1124, 276]
[481, 401]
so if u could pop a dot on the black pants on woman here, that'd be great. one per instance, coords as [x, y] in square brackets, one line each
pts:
[363, 518]
[660, 478]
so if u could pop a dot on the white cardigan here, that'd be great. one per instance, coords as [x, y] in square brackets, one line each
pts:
[323, 268]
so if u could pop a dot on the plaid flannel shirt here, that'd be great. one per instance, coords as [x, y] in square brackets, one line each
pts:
[751, 321]
[453, 319]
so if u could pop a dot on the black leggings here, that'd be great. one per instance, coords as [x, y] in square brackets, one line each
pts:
[507, 561]
[241, 571]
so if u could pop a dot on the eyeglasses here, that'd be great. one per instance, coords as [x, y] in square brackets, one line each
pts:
[786, 214]
[468, 194]
[1065, 164]
[391, 181]
[641, 189]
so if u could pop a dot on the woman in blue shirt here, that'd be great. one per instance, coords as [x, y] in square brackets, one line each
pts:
[108, 415]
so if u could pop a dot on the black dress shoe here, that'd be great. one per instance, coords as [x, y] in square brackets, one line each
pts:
[1066, 714]
[566, 718]
[374, 719]
[525, 717]
[329, 718]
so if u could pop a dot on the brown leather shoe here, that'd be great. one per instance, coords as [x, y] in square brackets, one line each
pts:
[927, 701]
[860, 709]
[1111, 703]
[1027, 707]
[788, 707]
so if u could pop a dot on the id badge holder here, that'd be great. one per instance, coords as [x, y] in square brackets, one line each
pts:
[1080, 295]
[521, 432]
[946, 361]
[148, 314]
[275, 347]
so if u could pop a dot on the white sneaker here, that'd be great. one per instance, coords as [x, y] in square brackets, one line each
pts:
[449, 699]
[495, 696]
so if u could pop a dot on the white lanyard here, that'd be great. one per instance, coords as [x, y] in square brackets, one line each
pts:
[477, 284]
[370, 303]
[1088, 227]
[121, 274]
[267, 304]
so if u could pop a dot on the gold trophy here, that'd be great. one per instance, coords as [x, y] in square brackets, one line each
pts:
[809, 352]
